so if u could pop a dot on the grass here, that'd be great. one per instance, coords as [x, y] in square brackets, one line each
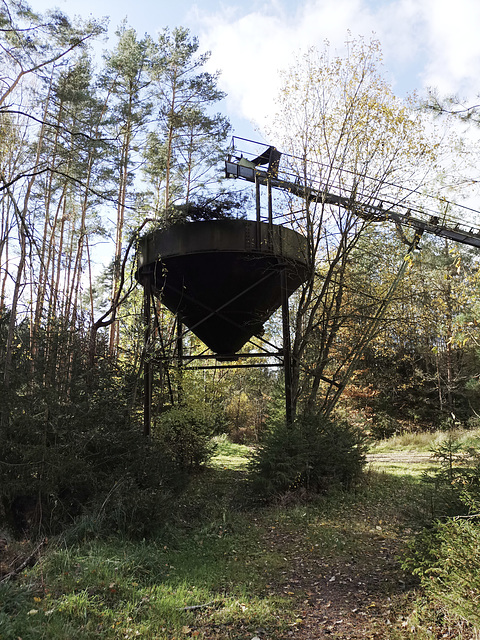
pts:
[205, 576]
[120, 589]
[414, 470]
[230, 455]
[423, 442]
[210, 575]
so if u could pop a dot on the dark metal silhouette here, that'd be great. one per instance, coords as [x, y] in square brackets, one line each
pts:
[223, 279]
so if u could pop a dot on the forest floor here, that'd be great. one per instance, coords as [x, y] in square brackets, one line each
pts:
[327, 568]
[348, 597]
[358, 588]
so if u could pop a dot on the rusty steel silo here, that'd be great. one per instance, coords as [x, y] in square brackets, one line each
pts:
[223, 278]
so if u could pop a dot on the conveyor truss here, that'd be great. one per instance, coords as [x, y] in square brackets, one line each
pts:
[265, 165]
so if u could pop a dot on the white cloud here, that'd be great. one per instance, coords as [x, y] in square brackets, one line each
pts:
[251, 49]
[453, 62]
[425, 43]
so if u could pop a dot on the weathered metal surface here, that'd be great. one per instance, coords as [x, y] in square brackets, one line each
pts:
[222, 235]
[222, 277]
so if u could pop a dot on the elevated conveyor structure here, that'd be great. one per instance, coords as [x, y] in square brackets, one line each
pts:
[264, 165]
[267, 166]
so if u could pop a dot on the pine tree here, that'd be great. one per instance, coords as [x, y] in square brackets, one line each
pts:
[188, 140]
[126, 81]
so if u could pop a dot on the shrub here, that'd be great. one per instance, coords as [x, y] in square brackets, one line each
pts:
[82, 459]
[446, 555]
[456, 482]
[185, 433]
[314, 453]
[447, 560]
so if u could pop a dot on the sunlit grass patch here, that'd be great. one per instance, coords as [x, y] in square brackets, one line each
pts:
[423, 441]
[252, 611]
[230, 455]
[214, 575]
[418, 442]
[415, 470]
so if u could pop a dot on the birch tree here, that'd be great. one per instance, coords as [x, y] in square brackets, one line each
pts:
[345, 133]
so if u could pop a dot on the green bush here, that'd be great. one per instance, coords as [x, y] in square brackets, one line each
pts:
[314, 454]
[446, 555]
[456, 481]
[74, 460]
[81, 461]
[185, 434]
[447, 560]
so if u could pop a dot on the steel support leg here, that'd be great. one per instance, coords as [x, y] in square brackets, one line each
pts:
[180, 359]
[287, 356]
[147, 364]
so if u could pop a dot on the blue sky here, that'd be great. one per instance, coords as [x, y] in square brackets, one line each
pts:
[426, 43]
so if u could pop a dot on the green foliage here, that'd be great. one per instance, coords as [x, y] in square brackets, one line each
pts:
[314, 454]
[185, 434]
[384, 426]
[73, 454]
[221, 206]
[446, 555]
[424, 364]
[447, 560]
[456, 481]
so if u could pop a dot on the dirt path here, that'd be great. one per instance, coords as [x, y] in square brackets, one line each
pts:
[345, 597]
[402, 457]
[349, 597]
[359, 595]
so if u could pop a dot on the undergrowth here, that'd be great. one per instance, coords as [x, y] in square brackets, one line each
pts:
[212, 573]
[446, 554]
